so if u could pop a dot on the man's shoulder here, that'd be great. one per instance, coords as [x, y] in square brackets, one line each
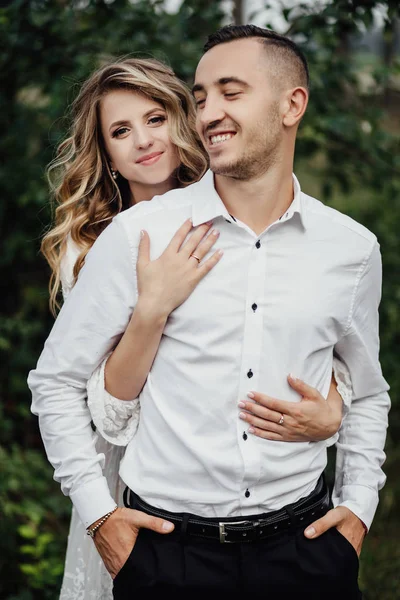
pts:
[331, 218]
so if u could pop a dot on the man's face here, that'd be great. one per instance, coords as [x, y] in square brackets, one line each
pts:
[238, 114]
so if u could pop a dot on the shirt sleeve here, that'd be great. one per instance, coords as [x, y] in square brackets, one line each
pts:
[89, 325]
[360, 447]
[116, 420]
[67, 267]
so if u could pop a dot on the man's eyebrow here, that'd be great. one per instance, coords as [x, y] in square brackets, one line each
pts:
[226, 80]
[222, 81]
[197, 88]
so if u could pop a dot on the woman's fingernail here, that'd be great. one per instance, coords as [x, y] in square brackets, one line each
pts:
[215, 232]
[167, 526]
[251, 430]
[250, 395]
[293, 377]
[241, 404]
[310, 532]
[142, 233]
[242, 415]
[220, 252]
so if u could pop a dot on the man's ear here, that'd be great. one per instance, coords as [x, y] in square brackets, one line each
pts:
[295, 104]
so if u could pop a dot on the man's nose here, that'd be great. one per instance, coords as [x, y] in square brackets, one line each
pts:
[211, 113]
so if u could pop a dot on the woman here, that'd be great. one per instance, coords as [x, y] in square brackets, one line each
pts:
[133, 137]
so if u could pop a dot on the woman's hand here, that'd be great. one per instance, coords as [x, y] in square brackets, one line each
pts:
[310, 420]
[165, 283]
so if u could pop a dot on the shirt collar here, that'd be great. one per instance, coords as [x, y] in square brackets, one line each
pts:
[208, 205]
[298, 205]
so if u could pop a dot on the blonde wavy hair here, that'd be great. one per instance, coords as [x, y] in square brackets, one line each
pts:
[84, 193]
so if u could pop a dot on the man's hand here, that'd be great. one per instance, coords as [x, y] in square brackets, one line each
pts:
[116, 538]
[345, 521]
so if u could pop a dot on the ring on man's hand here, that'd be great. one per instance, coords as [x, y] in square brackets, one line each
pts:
[196, 257]
[280, 422]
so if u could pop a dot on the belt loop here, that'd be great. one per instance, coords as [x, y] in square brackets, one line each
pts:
[293, 519]
[185, 521]
[125, 496]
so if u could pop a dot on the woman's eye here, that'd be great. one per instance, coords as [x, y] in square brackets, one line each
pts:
[156, 120]
[119, 132]
[231, 94]
[199, 101]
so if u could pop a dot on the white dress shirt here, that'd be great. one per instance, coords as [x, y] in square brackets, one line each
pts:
[276, 303]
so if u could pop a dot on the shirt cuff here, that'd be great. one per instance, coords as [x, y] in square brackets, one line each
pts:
[92, 501]
[361, 500]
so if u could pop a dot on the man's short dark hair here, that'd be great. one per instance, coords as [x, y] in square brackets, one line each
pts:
[279, 44]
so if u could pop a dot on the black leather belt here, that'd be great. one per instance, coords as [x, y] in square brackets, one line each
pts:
[239, 529]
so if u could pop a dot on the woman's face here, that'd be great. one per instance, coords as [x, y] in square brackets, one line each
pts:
[136, 137]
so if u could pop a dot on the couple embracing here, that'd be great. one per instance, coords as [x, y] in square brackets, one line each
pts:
[196, 276]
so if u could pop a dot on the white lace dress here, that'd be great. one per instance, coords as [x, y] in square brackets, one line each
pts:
[116, 421]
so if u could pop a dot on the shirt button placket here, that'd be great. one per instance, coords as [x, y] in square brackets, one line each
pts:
[251, 356]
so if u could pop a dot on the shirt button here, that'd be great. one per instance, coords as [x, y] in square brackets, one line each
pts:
[250, 373]
[244, 436]
[247, 493]
[254, 307]
[258, 244]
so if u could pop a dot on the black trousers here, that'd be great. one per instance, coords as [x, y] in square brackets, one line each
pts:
[286, 565]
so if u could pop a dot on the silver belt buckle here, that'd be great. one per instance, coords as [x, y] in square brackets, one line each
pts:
[223, 533]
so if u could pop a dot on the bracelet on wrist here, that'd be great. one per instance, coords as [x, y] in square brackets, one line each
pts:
[92, 530]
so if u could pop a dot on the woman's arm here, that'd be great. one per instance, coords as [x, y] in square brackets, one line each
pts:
[163, 285]
[127, 367]
[312, 419]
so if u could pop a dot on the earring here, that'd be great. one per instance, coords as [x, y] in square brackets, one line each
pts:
[114, 174]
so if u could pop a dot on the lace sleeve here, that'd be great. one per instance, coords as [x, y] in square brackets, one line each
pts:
[343, 383]
[116, 420]
[345, 389]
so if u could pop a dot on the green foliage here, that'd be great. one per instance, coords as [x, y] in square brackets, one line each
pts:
[347, 155]
[33, 524]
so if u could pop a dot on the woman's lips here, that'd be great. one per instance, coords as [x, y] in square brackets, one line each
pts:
[149, 159]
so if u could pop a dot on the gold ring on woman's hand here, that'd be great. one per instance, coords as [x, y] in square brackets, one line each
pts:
[196, 257]
[281, 420]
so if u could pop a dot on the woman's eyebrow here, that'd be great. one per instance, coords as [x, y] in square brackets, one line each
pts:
[118, 123]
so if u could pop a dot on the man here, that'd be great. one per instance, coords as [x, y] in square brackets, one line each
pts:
[297, 282]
